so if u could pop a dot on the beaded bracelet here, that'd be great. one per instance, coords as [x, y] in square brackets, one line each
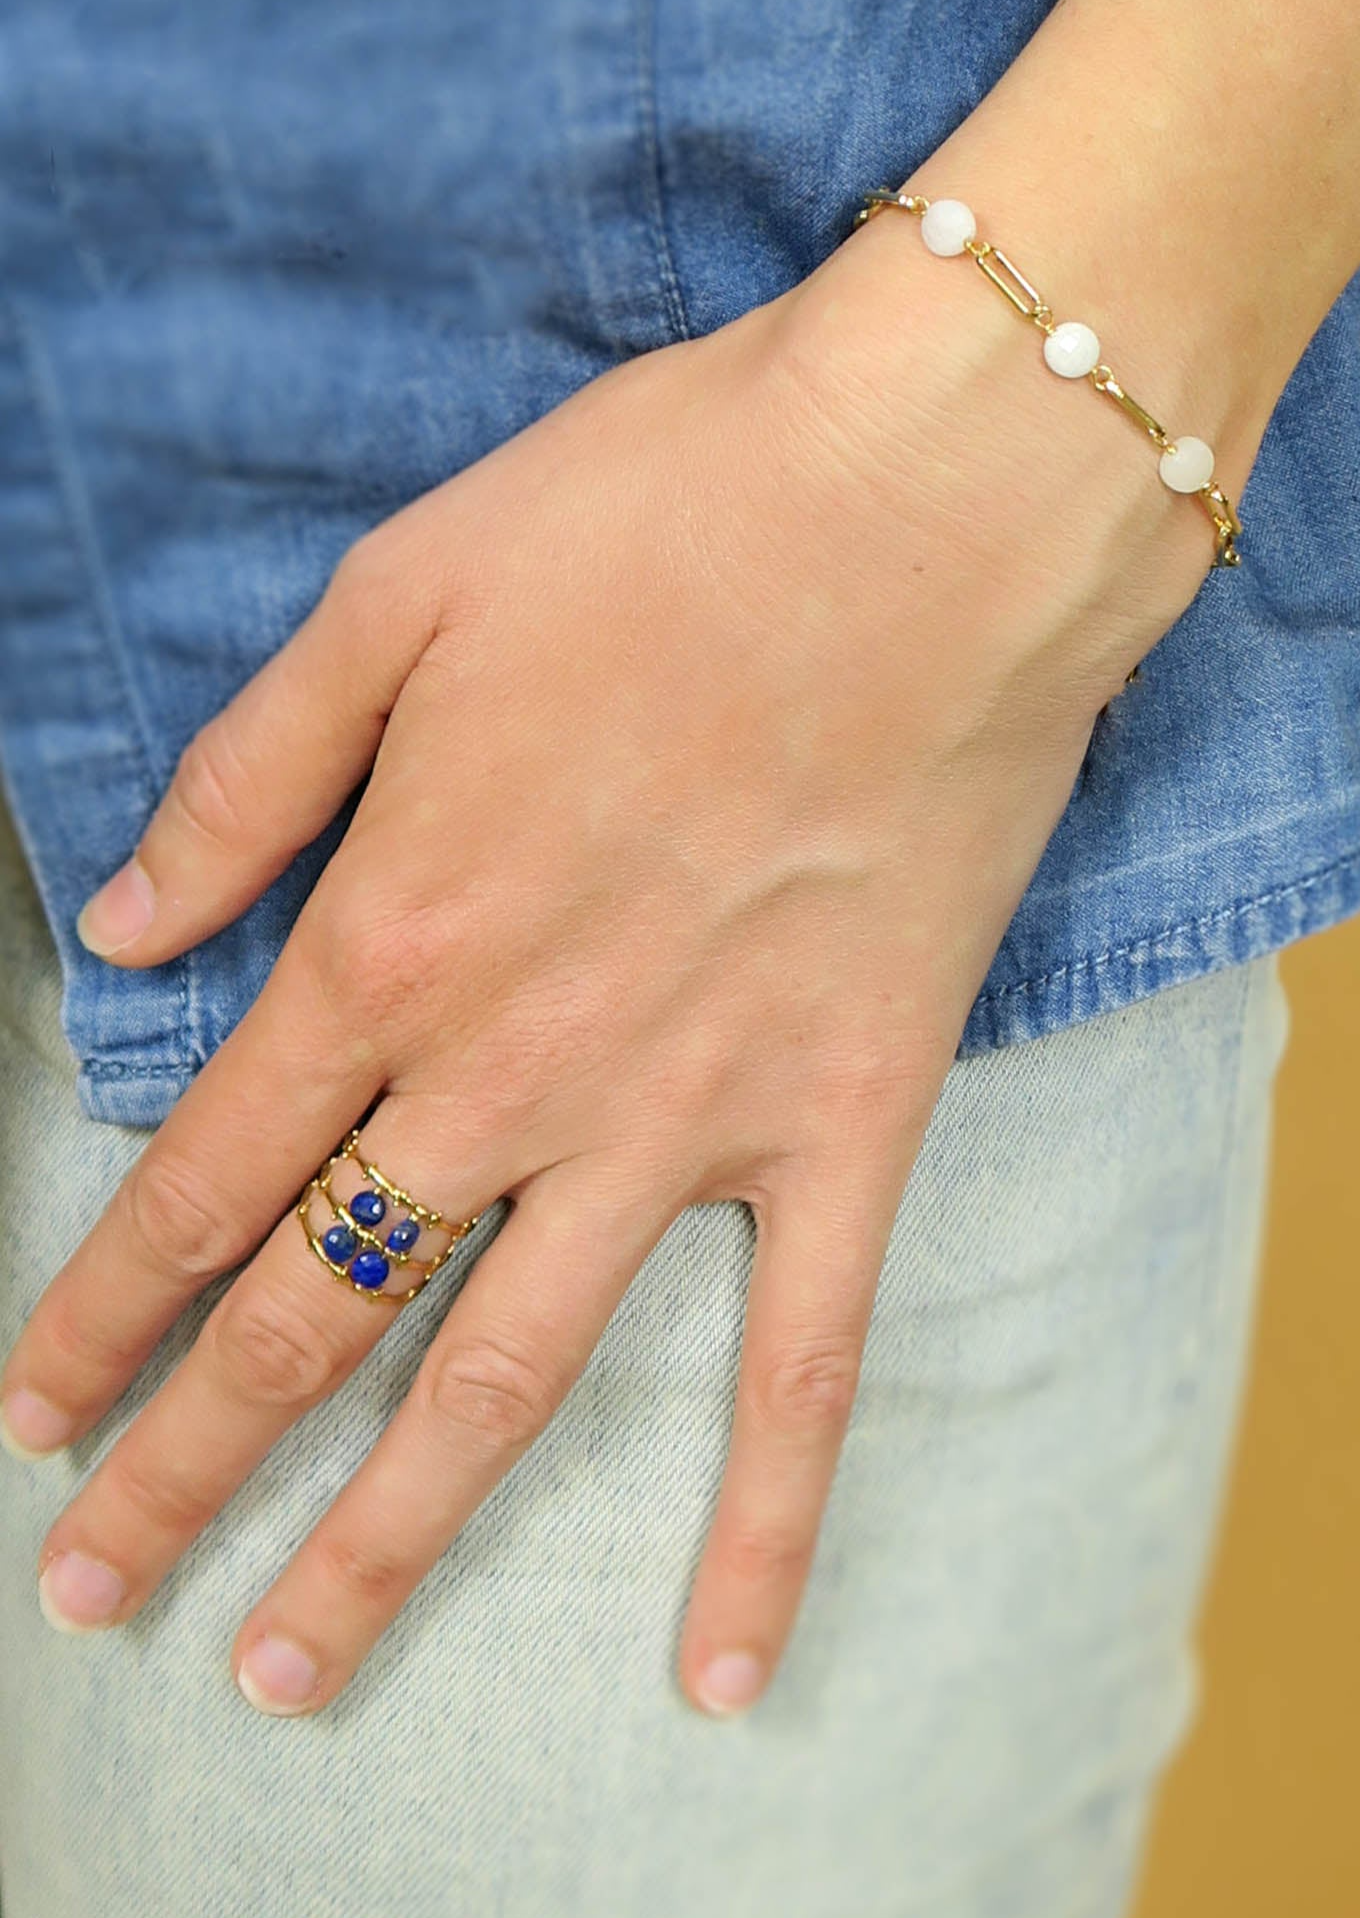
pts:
[1071, 349]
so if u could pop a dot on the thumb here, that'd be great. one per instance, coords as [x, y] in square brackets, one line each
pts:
[263, 777]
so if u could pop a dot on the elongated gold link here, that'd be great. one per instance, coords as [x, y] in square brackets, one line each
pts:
[400, 1197]
[1104, 381]
[1027, 300]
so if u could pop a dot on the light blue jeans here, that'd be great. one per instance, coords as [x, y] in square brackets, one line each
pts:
[993, 1661]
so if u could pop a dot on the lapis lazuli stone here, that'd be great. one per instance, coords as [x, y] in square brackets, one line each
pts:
[369, 1270]
[368, 1207]
[403, 1235]
[338, 1244]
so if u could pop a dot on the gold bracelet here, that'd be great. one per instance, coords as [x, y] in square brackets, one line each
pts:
[1071, 350]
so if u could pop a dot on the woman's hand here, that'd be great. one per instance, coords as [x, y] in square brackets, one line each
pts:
[717, 723]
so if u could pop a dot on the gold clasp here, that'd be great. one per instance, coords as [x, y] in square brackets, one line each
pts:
[1226, 523]
[882, 196]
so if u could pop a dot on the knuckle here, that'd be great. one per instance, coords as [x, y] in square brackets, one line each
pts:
[364, 574]
[811, 1385]
[767, 1555]
[392, 580]
[489, 1389]
[319, 949]
[209, 786]
[174, 1221]
[867, 1106]
[380, 965]
[269, 1354]
[868, 1087]
[161, 1500]
[363, 1572]
[391, 955]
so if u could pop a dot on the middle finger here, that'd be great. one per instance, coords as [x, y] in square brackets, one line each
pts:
[519, 1335]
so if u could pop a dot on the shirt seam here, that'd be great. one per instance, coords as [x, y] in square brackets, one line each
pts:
[1148, 942]
[677, 319]
[117, 1069]
[85, 540]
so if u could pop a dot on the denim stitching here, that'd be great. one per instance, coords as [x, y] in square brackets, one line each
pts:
[1150, 941]
[81, 524]
[118, 1069]
[676, 317]
[85, 540]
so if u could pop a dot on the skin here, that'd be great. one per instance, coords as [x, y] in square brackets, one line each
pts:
[784, 647]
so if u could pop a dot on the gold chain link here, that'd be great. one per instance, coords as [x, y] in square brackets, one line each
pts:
[1025, 297]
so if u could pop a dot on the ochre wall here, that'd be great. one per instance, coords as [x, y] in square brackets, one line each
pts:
[1260, 1815]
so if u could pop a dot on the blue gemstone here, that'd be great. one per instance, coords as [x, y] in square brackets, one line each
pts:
[369, 1270]
[403, 1235]
[338, 1244]
[368, 1207]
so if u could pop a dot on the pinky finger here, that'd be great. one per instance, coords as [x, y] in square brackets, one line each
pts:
[818, 1258]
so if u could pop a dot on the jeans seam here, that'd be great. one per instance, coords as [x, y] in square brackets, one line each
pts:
[1255, 979]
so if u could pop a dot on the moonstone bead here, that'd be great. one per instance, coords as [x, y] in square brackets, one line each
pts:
[946, 225]
[1188, 466]
[1072, 350]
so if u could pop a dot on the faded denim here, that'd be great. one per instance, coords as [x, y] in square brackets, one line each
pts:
[268, 271]
[993, 1660]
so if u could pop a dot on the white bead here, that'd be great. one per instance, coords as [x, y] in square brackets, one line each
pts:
[1188, 466]
[1072, 349]
[946, 225]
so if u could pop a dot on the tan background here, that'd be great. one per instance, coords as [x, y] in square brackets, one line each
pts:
[1258, 1818]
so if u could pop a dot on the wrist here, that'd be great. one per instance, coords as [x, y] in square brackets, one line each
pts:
[1122, 192]
[941, 447]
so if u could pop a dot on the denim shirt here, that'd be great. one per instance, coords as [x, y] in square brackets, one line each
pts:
[268, 272]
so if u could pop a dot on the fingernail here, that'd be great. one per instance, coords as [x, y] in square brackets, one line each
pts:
[731, 1682]
[118, 912]
[277, 1677]
[78, 1594]
[30, 1427]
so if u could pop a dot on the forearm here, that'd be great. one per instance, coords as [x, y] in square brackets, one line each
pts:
[1186, 179]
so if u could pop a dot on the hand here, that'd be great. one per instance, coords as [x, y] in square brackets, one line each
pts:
[716, 724]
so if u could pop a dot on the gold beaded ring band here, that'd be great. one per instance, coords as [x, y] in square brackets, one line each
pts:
[361, 1238]
[1071, 349]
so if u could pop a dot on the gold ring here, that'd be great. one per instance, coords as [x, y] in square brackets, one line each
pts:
[363, 1236]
